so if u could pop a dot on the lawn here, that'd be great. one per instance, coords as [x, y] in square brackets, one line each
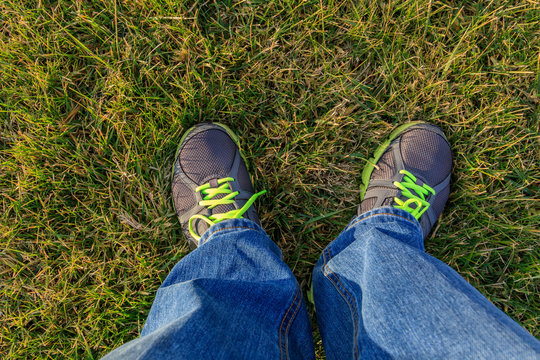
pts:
[95, 95]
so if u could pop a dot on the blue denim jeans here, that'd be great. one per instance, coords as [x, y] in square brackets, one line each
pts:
[377, 294]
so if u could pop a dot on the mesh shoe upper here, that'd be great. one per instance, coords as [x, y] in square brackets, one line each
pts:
[423, 151]
[206, 154]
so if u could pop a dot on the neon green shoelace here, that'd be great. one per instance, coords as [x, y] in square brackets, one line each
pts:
[406, 185]
[209, 193]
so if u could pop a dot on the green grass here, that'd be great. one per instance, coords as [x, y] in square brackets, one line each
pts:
[94, 96]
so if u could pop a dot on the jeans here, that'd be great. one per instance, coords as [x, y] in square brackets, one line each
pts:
[377, 295]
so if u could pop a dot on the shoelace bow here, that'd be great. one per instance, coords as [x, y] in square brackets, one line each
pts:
[409, 183]
[209, 193]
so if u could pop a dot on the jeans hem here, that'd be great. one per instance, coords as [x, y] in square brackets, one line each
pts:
[386, 210]
[228, 225]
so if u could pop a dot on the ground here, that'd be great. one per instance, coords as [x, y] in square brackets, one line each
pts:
[95, 95]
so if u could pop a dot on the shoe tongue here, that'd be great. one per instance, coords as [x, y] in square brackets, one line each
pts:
[220, 208]
[368, 204]
[201, 225]
[388, 201]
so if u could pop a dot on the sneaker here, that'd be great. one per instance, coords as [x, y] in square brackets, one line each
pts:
[210, 181]
[410, 171]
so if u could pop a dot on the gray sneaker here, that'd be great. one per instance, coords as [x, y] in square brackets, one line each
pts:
[210, 181]
[410, 171]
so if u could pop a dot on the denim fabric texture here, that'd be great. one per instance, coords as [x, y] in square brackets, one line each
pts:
[377, 294]
[231, 298]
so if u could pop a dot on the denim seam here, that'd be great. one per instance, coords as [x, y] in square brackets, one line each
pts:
[290, 322]
[339, 288]
[367, 217]
[283, 321]
[227, 228]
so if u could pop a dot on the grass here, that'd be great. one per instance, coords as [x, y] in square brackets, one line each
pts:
[94, 96]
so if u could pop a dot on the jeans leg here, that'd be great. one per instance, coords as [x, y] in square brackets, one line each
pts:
[378, 295]
[231, 298]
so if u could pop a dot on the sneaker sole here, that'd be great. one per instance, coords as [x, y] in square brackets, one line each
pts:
[368, 169]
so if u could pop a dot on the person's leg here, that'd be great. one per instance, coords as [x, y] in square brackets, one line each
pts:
[233, 297]
[378, 295]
